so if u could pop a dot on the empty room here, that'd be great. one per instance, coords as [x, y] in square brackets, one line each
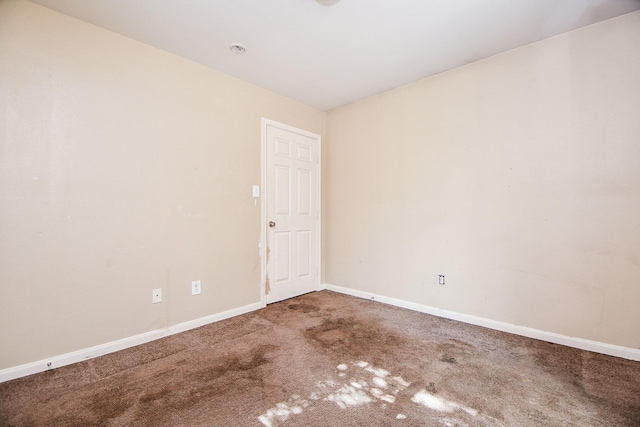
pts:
[320, 213]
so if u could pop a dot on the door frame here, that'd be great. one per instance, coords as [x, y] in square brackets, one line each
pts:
[264, 123]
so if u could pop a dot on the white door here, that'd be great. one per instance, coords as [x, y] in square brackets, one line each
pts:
[292, 211]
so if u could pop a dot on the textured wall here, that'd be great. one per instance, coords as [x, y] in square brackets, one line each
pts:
[122, 169]
[518, 177]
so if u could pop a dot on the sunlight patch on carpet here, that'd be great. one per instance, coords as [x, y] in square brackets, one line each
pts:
[437, 403]
[366, 384]
[283, 410]
[360, 383]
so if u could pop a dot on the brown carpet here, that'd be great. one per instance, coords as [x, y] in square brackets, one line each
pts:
[326, 359]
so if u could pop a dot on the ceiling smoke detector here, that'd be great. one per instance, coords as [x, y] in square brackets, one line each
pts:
[238, 48]
[327, 2]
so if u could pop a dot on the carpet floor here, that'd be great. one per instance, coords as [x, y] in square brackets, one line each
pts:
[327, 359]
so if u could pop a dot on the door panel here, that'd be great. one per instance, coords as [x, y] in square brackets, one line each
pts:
[304, 253]
[283, 148]
[282, 256]
[282, 190]
[292, 204]
[304, 192]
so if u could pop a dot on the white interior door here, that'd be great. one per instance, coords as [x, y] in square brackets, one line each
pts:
[292, 212]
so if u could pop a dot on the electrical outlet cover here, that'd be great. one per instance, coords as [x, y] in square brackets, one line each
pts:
[156, 296]
[196, 287]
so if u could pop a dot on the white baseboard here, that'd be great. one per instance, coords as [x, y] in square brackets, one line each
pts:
[113, 346]
[582, 344]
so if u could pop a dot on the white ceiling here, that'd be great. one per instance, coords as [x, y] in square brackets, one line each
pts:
[330, 56]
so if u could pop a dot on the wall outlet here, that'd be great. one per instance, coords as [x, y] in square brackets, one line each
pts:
[156, 296]
[441, 279]
[196, 288]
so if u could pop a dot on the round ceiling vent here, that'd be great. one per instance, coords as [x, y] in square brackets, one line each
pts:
[327, 2]
[238, 48]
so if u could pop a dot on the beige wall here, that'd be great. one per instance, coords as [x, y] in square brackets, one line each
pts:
[518, 177]
[122, 168]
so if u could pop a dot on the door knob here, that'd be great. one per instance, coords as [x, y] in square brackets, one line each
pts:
[272, 224]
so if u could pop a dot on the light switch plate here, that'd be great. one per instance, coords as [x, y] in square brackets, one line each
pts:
[256, 191]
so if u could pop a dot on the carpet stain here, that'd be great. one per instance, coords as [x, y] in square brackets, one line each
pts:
[447, 358]
[254, 359]
[352, 336]
[305, 308]
[206, 386]
[155, 396]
